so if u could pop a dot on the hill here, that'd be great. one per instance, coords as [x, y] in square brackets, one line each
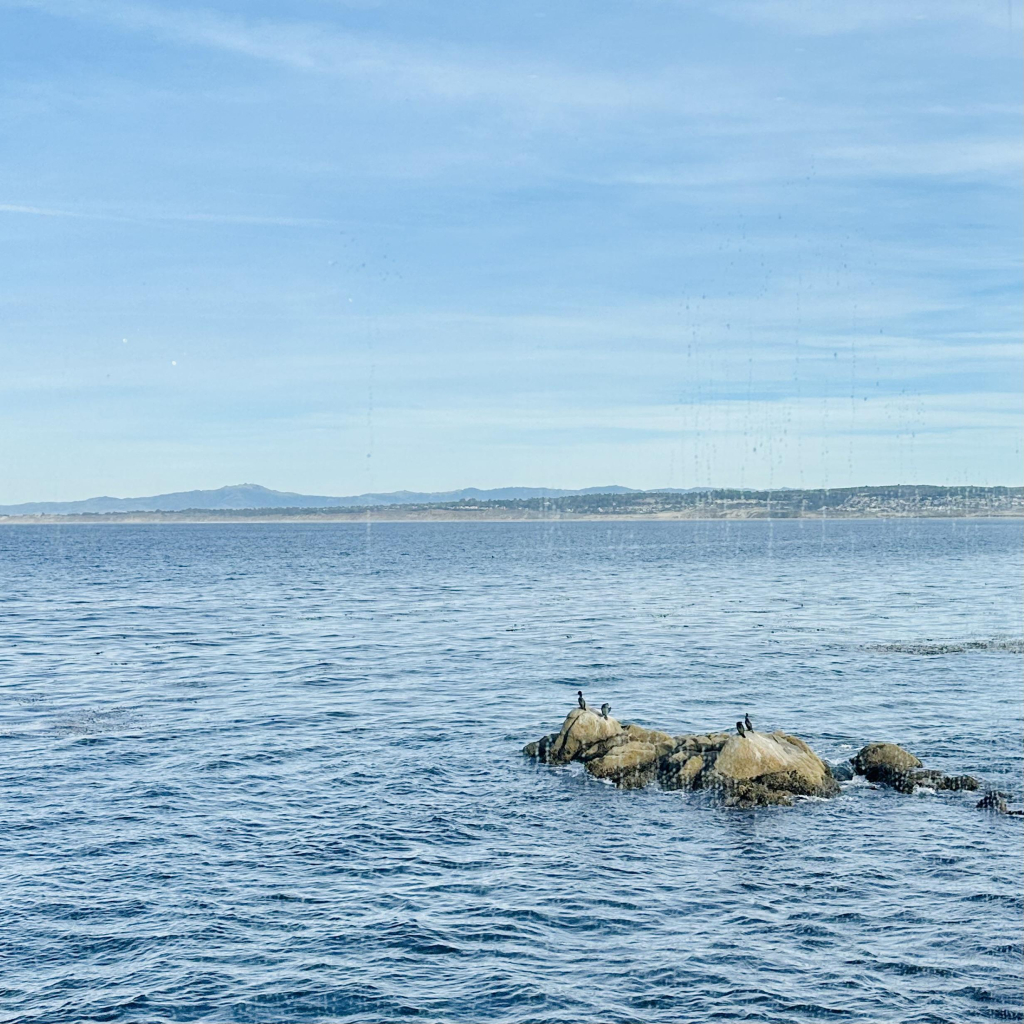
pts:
[252, 496]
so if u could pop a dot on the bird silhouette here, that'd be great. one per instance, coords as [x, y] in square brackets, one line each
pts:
[740, 729]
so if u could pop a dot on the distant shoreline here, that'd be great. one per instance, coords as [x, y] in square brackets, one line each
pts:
[891, 502]
[474, 516]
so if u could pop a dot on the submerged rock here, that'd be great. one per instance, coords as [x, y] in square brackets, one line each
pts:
[995, 801]
[891, 765]
[755, 794]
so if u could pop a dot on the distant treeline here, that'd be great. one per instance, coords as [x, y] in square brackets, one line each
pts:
[898, 500]
[792, 500]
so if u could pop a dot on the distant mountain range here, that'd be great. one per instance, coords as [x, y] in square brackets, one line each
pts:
[244, 496]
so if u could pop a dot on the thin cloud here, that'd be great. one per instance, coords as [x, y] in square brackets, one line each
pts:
[139, 218]
[951, 158]
[827, 18]
[37, 211]
[323, 49]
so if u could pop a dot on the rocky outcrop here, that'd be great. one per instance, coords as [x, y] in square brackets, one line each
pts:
[878, 758]
[747, 771]
[581, 729]
[630, 765]
[744, 771]
[777, 760]
[890, 765]
[995, 801]
[753, 770]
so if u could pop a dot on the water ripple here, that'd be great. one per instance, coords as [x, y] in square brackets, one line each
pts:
[270, 773]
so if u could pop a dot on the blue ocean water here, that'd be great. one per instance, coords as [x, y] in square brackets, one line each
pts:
[272, 772]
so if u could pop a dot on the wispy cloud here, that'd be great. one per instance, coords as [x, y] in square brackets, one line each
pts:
[450, 73]
[827, 18]
[165, 216]
[968, 157]
[37, 211]
[957, 158]
[593, 236]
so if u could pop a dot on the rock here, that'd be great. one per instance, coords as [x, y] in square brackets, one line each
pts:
[680, 770]
[638, 732]
[664, 743]
[602, 747]
[877, 757]
[899, 769]
[705, 741]
[754, 794]
[758, 769]
[956, 782]
[581, 728]
[540, 748]
[752, 771]
[779, 762]
[888, 764]
[992, 801]
[630, 765]
[996, 802]
[701, 743]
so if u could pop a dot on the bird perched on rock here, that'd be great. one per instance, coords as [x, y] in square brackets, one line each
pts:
[605, 708]
[748, 723]
[740, 729]
[579, 699]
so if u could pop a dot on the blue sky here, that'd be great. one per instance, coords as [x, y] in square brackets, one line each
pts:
[336, 246]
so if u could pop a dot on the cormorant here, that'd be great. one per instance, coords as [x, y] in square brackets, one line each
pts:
[740, 729]
[579, 698]
[605, 708]
[748, 723]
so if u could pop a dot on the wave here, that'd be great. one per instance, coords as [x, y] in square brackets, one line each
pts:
[1010, 645]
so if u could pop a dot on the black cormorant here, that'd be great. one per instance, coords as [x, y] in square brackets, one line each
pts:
[579, 698]
[748, 723]
[605, 708]
[740, 729]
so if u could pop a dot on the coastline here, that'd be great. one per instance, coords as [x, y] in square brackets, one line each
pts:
[480, 516]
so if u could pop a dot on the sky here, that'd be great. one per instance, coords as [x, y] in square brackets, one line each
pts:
[338, 246]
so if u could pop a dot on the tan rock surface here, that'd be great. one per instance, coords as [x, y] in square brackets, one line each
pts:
[759, 768]
[883, 755]
[690, 770]
[581, 728]
[777, 760]
[629, 765]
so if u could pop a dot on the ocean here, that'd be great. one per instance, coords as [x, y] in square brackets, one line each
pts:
[272, 772]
